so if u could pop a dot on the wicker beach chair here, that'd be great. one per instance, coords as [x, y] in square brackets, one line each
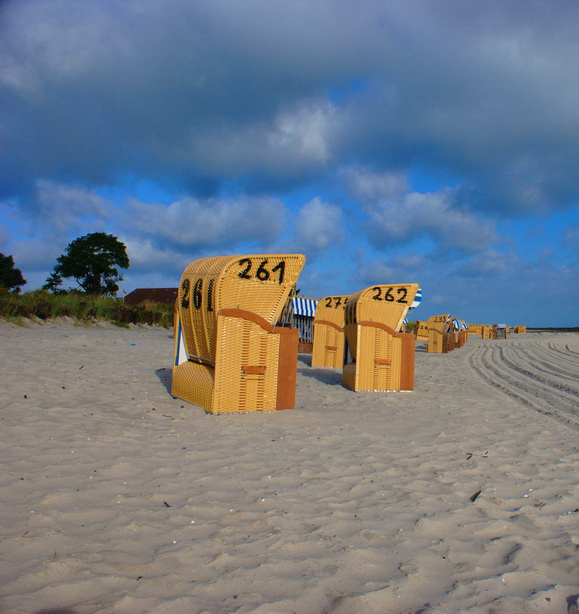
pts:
[499, 331]
[329, 335]
[382, 356]
[486, 331]
[421, 330]
[520, 329]
[229, 354]
[440, 336]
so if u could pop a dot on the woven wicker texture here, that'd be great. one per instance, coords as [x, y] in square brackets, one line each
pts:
[441, 323]
[440, 334]
[247, 366]
[194, 383]
[329, 334]
[383, 356]
[258, 283]
[421, 330]
[387, 304]
[233, 359]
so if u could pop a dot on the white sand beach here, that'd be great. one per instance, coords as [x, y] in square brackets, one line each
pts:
[461, 496]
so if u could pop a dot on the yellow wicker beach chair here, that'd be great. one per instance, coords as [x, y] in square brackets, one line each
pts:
[486, 331]
[440, 339]
[462, 333]
[232, 357]
[520, 329]
[383, 357]
[421, 330]
[329, 336]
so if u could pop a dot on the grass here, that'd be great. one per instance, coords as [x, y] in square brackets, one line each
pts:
[83, 308]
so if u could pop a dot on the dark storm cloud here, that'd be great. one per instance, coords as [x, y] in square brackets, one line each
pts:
[196, 93]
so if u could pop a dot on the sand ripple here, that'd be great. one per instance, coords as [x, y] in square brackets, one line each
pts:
[459, 497]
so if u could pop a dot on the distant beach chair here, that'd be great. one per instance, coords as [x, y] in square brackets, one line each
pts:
[440, 339]
[231, 355]
[303, 314]
[329, 335]
[486, 332]
[520, 329]
[421, 330]
[382, 356]
[499, 331]
[461, 332]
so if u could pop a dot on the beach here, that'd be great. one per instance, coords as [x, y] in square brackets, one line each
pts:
[461, 496]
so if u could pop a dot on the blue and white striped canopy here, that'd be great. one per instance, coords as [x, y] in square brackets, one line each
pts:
[417, 300]
[304, 306]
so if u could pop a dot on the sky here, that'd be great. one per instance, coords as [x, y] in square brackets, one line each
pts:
[389, 141]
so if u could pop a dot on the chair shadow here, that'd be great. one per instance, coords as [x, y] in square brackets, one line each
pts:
[166, 377]
[330, 377]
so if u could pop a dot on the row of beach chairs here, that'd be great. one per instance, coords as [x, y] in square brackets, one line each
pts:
[235, 350]
[444, 333]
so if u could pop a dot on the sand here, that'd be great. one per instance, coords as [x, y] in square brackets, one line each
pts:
[461, 496]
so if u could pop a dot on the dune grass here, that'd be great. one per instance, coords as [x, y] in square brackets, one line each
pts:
[83, 308]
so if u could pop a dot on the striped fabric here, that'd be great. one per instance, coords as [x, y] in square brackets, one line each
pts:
[304, 306]
[417, 300]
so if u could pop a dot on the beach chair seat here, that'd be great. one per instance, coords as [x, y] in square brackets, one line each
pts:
[440, 338]
[230, 355]
[382, 357]
[329, 334]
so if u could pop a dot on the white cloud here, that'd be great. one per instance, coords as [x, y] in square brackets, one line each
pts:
[319, 225]
[489, 263]
[398, 214]
[65, 208]
[145, 257]
[193, 223]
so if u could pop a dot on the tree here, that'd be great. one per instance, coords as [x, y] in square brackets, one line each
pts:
[10, 277]
[92, 261]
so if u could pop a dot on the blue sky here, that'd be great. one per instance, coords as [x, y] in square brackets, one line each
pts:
[389, 141]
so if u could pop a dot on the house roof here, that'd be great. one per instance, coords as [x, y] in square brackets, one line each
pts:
[156, 295]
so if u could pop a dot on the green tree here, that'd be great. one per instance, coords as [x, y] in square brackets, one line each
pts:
[92, 261]
[10, 277]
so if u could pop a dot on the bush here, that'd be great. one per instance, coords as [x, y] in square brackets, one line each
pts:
[83, 308]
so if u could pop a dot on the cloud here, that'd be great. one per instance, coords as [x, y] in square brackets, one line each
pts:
[489, 263]
[398, 214]
[319, 226]
[197, 93]
[65, 207]
[192, 224]
[452, 121]
[147, 258]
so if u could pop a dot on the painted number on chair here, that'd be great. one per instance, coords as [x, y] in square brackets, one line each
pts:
[197, 295]
[335, 302]
[388, 295]
[349, 316]
[262, 272]
[185, 287]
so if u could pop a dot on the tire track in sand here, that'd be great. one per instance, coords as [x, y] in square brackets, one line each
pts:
[538, 373]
